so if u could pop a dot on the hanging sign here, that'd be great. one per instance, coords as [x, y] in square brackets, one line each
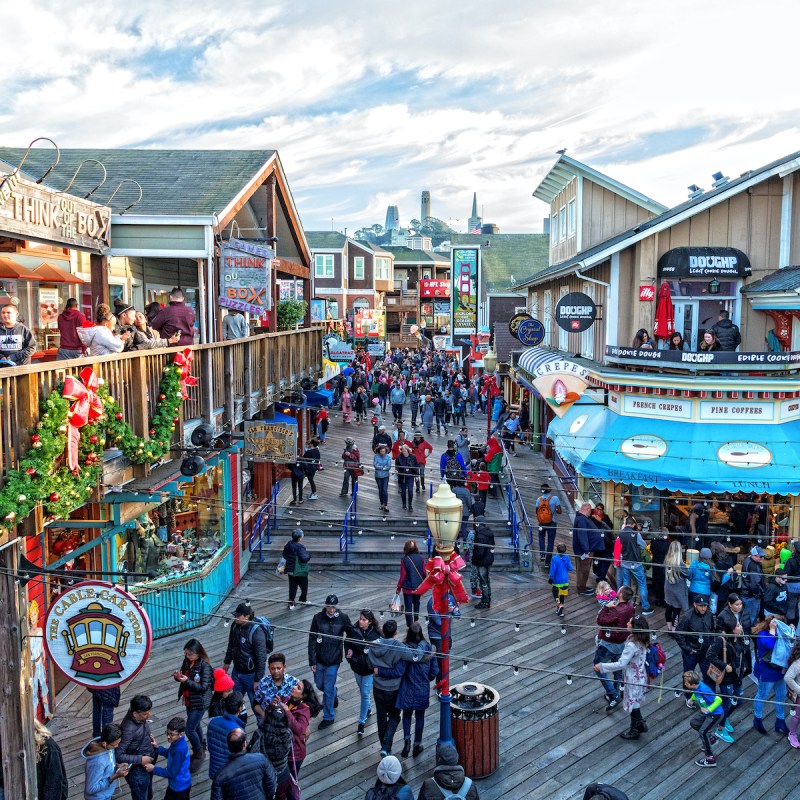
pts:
[370, 322]
[465, 290]
[97, 634]
[514, 322]
[576, 312]
[334, 349]
[704, 262]
[244, 276]
[434, 288]
[647, 293]
[530, 332]
[270, 441]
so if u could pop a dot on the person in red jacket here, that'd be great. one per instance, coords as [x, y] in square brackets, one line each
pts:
[420, 449]
[613, 621]
[177, 316]
[69, 320]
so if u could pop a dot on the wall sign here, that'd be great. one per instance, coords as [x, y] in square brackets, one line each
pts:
[643, 447]
[334, 349]
[704, 262]
[744, 455]
[434, 288]
[659, 407]
[647, 293]
[576, 312]
[370, 322]
[97, 634]
[763, 359]
[318, 310]
[465, 290]
[790, 409]
[530, 332]
[245, 282]
[722, 410]
[270, 441]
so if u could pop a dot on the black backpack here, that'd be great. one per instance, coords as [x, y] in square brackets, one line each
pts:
[452, 469]
[264, 624]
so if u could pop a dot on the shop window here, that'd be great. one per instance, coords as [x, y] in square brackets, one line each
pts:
[554, 229]
[562, 223]
[323, 266]
[358, 268]
[572, 208]
[382, 269]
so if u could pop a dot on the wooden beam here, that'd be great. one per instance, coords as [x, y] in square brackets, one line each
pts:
[99, 275]
[290, 268]
[272, 227]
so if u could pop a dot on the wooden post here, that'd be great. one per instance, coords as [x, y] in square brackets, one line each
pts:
[248, 380]
[229, 413]
[207, 386]
[26, 403]
[16, 706]
[272, 225]
[98, 266]
[140, 411]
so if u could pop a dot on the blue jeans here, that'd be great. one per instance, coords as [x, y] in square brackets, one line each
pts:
[364, 683]
[325, 680]
[411, 604]
[752, 605]
[194, 729]
[102, 715]
[243, 682]
[765, 689]
[638, 572]
[141, 783]
[406, 486]
[383, 490]
[547, 532]
[729, 689]
[604, 656]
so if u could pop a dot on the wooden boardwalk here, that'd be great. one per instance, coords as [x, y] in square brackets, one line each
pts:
[555, 738]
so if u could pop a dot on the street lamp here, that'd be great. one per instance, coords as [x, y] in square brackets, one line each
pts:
[444, 511]
[489, 366]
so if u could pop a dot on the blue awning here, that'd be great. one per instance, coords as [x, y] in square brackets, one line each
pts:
[319, 397]
[284, 418]
[692, 457]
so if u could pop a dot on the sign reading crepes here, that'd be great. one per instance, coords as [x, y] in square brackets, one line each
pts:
[38, 212]
[245, 276]
[97, 634]
[270, 441]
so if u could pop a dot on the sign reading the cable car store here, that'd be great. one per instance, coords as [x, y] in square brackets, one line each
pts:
[97, 634]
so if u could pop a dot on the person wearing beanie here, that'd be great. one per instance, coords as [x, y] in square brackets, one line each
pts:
[223, 688]
[448, 777]
[390, 782]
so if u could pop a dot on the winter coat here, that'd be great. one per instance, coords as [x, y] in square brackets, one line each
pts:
[426, 410]
[776, 599]
[446, 456]
[691, 628]
[100, 765]
[406, 466]
[727, 619]
[482, 555]
[415, 684]
[733, 652]
[632, 661]
[728, 334]
[752, 579]
[357, 642]
[217, 738]
[765, 645]
[382, 465]
[560, 567]
[51, 776]
[17, 344]
[175, 317]
[421, 449]
[462, 447]
[397, 396]
[135, 741]
[177, 769]
[586, 537]
[351, 458]
[198, 689]
[451, 779]
[108, 697]
[791, 678]
[276, 745]
[330, 650]
[613, 621]
[246, 656]
[397, 791]
[100, 341]
[294, 552]
[69, 320]
[677, 594]
[412, 573]
[387, 655]
[700, 575]
[435, 618]
[246, 776]
[299, 719]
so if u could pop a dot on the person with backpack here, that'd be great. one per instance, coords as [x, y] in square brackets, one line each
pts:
[769, 676]
[296, 568]
[633, 661]
[276, 745]
[412, 574]
[390, 784]
[752, 584]
[482, 560]
[547, 507]
[249, 643]
[451, 465]
[613, 620]
[448, 780]
[196, 678]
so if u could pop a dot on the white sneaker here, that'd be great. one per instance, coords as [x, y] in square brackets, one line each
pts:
[313, 497]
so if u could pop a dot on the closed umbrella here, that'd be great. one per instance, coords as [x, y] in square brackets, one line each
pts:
[664, 325]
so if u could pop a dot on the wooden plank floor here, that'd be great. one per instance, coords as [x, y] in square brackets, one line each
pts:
[555, 737]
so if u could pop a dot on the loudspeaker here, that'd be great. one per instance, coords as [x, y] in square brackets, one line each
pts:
[192, 466]
[202, 435]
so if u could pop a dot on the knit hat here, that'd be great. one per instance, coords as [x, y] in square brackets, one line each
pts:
[758, 551]
[447, 755]
[705, 552]
[222, 681]
[389, 770]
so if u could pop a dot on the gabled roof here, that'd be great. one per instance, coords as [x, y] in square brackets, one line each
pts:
[600, 252]
[325, 240]
[782, 280]
[409, 256]
[174, 182]
[507, 255]
[566, 168]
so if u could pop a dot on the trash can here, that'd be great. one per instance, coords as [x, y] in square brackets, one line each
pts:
[476, 728]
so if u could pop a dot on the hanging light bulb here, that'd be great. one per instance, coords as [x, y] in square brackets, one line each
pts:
[183, 615]
[158, 592]
[319, 640]
[569, 680]
[472, 622]
[392, 537]
[297, 523]
[226, 623]
[247, 601]
[678, 693]
[203, 597]
[516, 670]
[563, 629]
[413, 522]
[700, 639]
[465, 665]
[382, 614]
[516, 627]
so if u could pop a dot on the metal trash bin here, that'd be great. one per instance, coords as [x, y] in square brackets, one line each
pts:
[476, 727]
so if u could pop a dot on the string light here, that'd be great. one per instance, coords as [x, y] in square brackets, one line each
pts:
[465, 665]
[516, 670]
[472, 622]
[569, 680]
[516, 627]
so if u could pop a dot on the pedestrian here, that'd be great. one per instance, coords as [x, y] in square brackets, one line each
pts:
[462, 493]
[548, 507]
[397, 397]
[448, 778]
[311, 465]
[412, 574]
[709, 713]
[325, 653]
[69, 320]
[351, 464]
[218, 729]
[321, 422]
[613, 619]
[382, 464]
[693, 635]
[769, 676]
[603, 559]
[407, 471]
[560, 567]
[421, 449]
[676, 590]
[136, 747]
[509, 432]
[296, 568]
[381, 437]
[297, 471]
[246, 776]
[462, 441]
[384, 657]
[602, 791]
[247, 651]
[414, 400]
[390, 782]
[196, 678]
[727, 332]
[776, 596]
[146, 338]
[414, 695]
[494, 457]
[274, 687]
[104, 701]
[223, 689]
[730, 655]
[659, 547]
[586, 540]
[347, 406]
[360, 404]
[101, 769]
[276, 745]
[303, 705]
[435, 627]
[176, 317]
[482, 559]
[440, 411]
[451, 465]
[632, 661]
[17, 343]
[427, 414]
[177, 772]
[631, 560]
[234, 325]
[752, 583]
[357, 643]
[793, 691]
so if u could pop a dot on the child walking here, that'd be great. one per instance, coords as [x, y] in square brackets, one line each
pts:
[708, 715]
[560, 567]
[177, 769]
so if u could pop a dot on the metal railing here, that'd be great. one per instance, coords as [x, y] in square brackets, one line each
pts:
[517, 518]
[266, 523]
[349, 524]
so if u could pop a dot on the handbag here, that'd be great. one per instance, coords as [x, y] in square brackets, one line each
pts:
[281, 568]
[714, 672]
[358, 472]
[301, 568]
[397, 605]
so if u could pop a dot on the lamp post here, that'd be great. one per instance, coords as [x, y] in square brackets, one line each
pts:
[444, 511]
[489, 366]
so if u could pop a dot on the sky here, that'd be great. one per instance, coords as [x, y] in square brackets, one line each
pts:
[371, 103]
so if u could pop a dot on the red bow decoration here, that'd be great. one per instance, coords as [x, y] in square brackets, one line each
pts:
[86, 407]
[184, 361]
[444, 578]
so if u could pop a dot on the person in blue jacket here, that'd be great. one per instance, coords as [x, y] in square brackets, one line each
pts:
[414, 696]
[709, 713]
[177, 770]
[218, 730]
[102, 770]
[560, 567]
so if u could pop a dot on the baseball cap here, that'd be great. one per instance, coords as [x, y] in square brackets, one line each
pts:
[700, 600]
[243, 610]
[331, 600]
[758, 551]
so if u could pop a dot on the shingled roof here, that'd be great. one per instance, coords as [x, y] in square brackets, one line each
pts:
[410, 256]
[782, 280]
[174, 182]
[325, 240]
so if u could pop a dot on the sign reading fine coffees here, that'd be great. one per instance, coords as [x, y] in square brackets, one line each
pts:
[576, 312]
[97, 634]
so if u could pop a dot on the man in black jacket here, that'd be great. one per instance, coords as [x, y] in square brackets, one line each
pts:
[246, 776]
[326, 651]
[482, 560]
[136, 749]
[693, 636]
[247, 651]
[727, 333]
[752, 583]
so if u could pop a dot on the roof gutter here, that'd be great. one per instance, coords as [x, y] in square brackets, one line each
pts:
[591, 280]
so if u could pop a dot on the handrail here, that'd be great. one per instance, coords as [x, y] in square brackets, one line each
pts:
[349, 524]
[517, 513]
[430, 535]
[270, 508]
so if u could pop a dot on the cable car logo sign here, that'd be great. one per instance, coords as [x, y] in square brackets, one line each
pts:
[97, 634]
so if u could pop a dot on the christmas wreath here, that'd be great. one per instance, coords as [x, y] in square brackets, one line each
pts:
[77, 420]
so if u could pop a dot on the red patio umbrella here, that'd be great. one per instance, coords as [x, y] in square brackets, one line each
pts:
[664, 325]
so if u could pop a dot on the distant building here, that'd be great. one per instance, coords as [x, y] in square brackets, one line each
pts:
[474, 222]
[392, 218]
[425, 207]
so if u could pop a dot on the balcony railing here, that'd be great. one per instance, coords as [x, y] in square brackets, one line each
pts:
[402, 297]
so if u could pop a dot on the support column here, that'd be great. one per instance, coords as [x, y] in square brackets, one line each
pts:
[98, 267]
[272, 225]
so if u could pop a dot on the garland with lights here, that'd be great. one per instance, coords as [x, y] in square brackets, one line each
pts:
[65, 461]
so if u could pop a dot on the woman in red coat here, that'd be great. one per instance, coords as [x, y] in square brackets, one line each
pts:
[302, 706]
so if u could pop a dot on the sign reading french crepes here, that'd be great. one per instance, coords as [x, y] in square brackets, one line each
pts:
[97, 634]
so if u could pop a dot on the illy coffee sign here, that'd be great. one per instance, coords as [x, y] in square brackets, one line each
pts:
[576, 312]
[647, 293]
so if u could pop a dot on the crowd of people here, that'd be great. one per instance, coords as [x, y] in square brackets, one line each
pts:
[724, 334]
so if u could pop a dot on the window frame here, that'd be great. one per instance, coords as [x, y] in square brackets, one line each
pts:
[554, 229]
[320, 259]
[359, 265]
[572, 218]
[562, 223]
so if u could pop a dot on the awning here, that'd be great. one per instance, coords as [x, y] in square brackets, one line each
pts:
[691, 457]
[50, 273]
[557, 380]
[284, 418]
[320, 397]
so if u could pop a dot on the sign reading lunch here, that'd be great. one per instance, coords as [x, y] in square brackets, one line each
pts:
[97, 634]
[245, 276]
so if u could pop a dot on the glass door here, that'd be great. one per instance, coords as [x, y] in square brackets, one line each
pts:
[686, 313]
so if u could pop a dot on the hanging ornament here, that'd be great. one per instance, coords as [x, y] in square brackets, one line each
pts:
[35, 438]
[21, 498]
[54, 497]
[93, 439]
[31, 471]
[118, 415]
[12, 515]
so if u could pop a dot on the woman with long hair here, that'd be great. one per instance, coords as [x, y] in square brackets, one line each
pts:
[642, 340]
[676, 342]
[709, 342]
[414, 695]
[196, 678]
[770, 677]
[347, 406]
[357, 643]
[632, 661]
[412, 574]
[51, 776]
[303, 704]
[793, 687]
[676, 592]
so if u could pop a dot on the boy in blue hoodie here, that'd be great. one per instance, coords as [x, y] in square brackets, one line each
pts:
[560, 567]
[707, 717]
[177, 769]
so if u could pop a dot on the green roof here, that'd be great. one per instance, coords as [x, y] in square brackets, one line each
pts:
[174, 182]
[325, 240]
[507, 255]
[409, 256]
